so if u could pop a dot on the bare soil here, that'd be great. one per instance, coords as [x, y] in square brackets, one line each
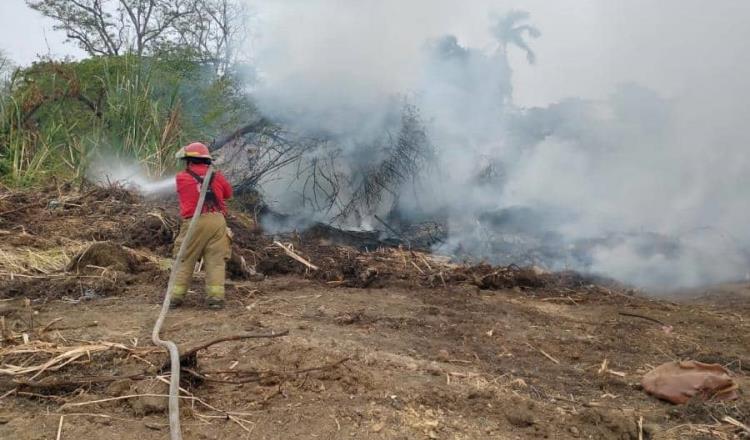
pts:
[386, 344]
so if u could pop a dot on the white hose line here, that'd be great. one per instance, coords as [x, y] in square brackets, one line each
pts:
[175, 432]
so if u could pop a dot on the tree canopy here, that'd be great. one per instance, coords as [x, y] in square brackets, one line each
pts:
[214, 31]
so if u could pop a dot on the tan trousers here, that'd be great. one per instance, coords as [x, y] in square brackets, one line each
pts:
[209, 241]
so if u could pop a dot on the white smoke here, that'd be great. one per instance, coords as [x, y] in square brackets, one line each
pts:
[107, 170]
[641, 174]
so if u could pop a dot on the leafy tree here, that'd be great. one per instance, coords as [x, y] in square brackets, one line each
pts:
[212, 31]
[217, 31]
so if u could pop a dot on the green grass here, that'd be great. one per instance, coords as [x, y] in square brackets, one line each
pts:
[58, 117]
[25, 154]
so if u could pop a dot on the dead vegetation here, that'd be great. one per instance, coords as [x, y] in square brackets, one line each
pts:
[112, 223]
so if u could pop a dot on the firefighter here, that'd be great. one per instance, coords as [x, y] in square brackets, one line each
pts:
[210, 239]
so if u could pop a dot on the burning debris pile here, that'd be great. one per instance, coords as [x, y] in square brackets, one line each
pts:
[108, 235]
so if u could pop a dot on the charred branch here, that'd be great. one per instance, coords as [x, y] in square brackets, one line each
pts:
[253, 127]
[407, 155]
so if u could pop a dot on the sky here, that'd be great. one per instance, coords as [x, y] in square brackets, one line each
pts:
[587, 46]
[25, 34]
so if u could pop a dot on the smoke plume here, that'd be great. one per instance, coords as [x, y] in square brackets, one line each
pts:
[623, 157]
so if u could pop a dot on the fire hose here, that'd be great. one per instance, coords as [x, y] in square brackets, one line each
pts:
[175, 432]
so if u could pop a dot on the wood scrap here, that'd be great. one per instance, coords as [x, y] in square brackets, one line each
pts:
[604, 368]
[547, 355]
[737, 423]
[59, 427]
[293, 255]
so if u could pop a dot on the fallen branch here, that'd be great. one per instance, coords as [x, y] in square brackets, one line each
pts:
[73, 327]
[647, 318]
[666, 328]
[203, 345]
[53, 322]
[294, 256]
[253, 127]
[548, 356]
[187, 355]
[8, 393]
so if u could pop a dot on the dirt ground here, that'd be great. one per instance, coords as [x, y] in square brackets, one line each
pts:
[370, 354]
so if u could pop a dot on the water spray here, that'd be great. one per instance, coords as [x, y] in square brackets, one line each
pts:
[130, 175]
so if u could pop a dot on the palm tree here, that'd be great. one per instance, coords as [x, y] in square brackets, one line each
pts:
[508, 30]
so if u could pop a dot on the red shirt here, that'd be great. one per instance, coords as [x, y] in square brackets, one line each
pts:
[188, 191]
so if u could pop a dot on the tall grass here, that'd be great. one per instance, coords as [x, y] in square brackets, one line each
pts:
[46, 129]
[25, 155]
[139, 127]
